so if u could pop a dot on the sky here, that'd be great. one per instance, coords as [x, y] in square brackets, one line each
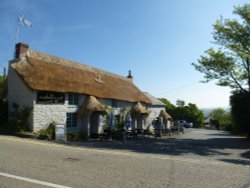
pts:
[156, 39]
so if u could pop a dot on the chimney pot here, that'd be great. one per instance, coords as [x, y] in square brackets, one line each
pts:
[21, 48]
[130, 75]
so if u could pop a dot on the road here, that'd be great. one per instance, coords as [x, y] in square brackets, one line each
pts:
[198, 158]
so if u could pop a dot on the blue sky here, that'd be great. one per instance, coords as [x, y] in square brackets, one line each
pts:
[156, 39]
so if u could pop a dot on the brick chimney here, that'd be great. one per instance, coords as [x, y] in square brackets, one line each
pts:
[21, 49]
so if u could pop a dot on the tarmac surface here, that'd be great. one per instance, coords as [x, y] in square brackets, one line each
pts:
[198, 158]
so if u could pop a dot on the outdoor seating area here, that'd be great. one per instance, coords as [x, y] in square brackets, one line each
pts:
[135, 134]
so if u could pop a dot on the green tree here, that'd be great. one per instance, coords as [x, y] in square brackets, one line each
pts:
[195, 115]
[170, 108]
[2, 87]
[229, 65]
[180, 103]
[240, 105]
[222, 118]
[3, 104]
[181, 111]
[169, 105]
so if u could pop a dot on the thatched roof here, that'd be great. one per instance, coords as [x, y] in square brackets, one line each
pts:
[139, 109]
[91, 105]
[165, 115]
[44, 72]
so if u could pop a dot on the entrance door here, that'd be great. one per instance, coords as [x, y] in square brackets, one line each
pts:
[94, 124]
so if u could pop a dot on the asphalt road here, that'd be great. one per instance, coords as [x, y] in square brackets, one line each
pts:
[198, 158]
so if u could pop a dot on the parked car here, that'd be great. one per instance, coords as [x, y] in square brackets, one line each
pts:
[184, 123]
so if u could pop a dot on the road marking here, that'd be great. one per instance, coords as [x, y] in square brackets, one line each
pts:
[32, 180]
[118, 152]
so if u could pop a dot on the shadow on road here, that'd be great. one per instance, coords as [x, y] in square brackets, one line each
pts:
[246, 155]
[215, 146]
[236, 161]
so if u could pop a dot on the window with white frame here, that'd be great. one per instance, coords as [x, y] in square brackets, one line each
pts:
[71, 120]
[72, 99]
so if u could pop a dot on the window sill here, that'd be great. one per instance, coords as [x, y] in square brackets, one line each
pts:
[72, 106]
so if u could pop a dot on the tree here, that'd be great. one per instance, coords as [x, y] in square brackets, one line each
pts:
[2, 87]
[230, 64]
[181, 111]
[180, 103]
[195, 115]
[221, 118]
[3, 103]
[240, 105]
[169, 105]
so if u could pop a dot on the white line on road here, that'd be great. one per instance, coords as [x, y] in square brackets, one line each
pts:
[32, 180]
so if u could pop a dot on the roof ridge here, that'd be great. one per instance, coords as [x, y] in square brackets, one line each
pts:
[73, 64]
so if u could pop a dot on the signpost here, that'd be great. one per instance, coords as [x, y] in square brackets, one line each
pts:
[61, 133]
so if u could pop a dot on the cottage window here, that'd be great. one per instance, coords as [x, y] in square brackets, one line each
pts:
[114, 103]
[71, 120]
[73, 99]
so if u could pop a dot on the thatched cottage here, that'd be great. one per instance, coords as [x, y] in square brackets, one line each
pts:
[76, 95]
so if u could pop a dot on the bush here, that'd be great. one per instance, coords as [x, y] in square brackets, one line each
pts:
[43, 134]
[149, 131]
[240, 109]
[3, 115]
[51, 129]
[76, 136]
[19, 120]
[48, 133]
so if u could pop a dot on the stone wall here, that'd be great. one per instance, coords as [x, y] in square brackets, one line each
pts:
[44, 114]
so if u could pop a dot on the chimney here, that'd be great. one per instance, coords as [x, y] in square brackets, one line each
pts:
[130, 75]
[21, 49]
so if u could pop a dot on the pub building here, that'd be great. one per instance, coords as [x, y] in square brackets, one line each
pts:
[72, 94]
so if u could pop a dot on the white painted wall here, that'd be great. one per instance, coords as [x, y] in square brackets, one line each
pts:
[154, 112]
[19, 93]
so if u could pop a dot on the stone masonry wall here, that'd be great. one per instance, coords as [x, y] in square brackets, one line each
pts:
[44, 114]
